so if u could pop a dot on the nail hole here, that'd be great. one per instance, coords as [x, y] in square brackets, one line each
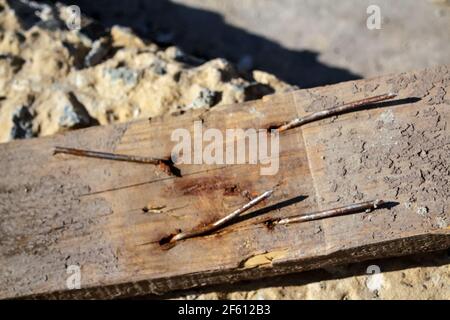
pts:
[273, 127]
[165, 240]
[169, 166]
[270, 223]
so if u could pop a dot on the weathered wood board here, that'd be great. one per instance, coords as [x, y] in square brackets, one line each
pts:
[62, 210]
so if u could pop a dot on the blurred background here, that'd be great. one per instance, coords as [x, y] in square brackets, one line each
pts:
[304, 42]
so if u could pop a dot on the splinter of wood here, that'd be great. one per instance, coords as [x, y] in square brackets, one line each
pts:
[334, 111]
[219, 223]
[353, 208]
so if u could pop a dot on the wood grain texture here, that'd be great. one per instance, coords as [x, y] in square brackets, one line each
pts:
[64, 210]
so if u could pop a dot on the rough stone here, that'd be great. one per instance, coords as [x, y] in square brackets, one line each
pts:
[22, 124]
[98, 52]
[99, 76]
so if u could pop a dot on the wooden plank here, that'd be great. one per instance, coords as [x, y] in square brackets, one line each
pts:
[63, 210]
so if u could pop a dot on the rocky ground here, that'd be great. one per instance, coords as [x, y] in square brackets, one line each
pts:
[53, 79]
[423, 276]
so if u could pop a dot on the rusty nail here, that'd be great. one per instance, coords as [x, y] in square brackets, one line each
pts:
[108, 156]
[353, 208]
[334, 111]
[219, 223]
